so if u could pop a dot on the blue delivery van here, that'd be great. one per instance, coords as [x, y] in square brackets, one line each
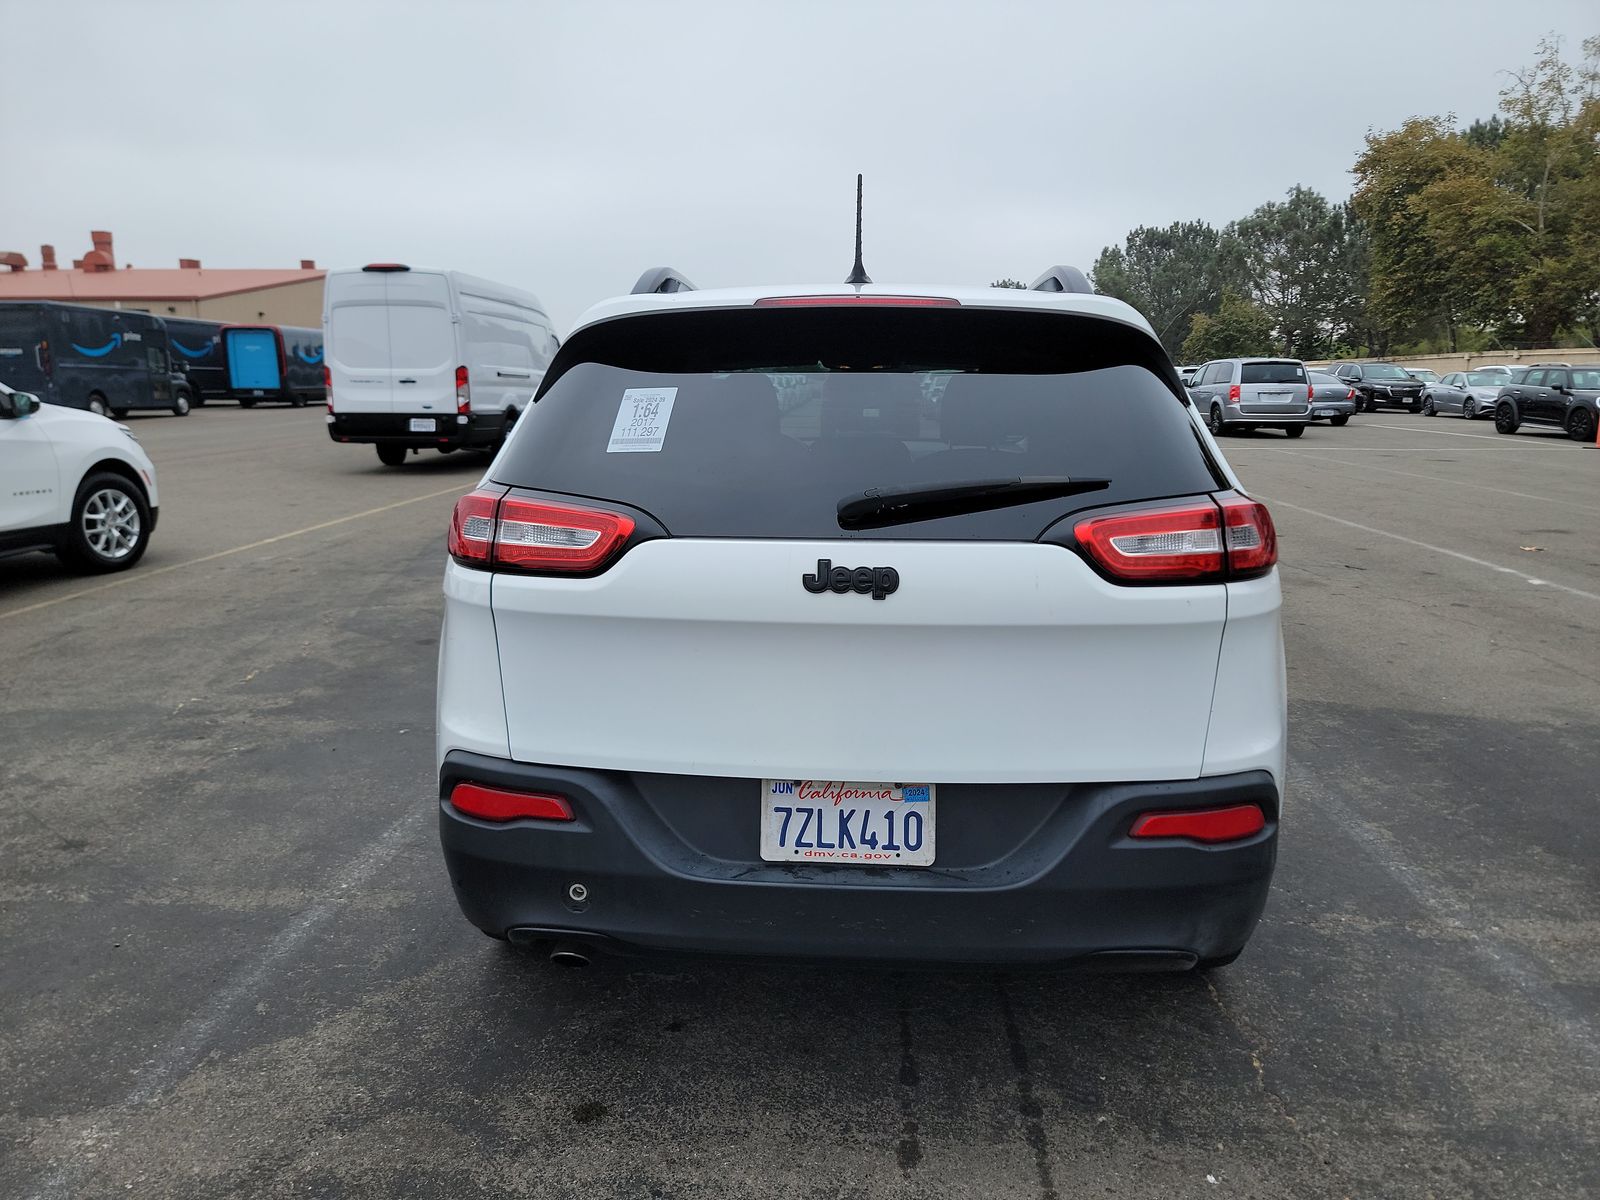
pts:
[274, 362]
[108, 361]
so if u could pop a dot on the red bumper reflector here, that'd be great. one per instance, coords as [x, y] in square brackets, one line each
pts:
[498, 804]
[1202, 824]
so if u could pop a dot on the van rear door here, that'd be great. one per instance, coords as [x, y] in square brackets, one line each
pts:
[357, 346]
[422, 343]
[253, 365]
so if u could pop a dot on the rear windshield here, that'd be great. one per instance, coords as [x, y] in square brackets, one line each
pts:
[758, 423]
[1272, 372]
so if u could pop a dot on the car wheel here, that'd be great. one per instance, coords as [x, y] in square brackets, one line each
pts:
[1505, 418]
[391, 456]
[296, 400]
[1215, 422]
[180, 404]
[119, 413]
[1344, 420]
[110, 525]
[97, 405]
[1427, 407]
[1293, 431]
[247, 404]
[1469, 409]
[1580, 425]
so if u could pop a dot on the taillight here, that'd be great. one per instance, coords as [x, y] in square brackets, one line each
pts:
[1166, 545]
[492, 529]
[1233, 394]
[1311, 392]
[1350, 395]
[327, 387]
[1202, 824]
[463, 392]
[1228, 538]
[502, 804]
[1249, 536]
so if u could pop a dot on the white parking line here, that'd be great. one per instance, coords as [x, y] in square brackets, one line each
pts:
[136, 575]
[1481, 487]
[1482, 437]
[1478, 562]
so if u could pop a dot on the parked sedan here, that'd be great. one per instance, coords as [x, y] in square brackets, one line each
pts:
[1422, 374]
[1332, 399]
[1555, 397]
[1464, 393]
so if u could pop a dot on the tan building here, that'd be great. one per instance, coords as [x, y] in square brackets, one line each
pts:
[246, 296]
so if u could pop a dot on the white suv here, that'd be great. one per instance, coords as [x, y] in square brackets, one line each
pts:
[863, 623]
[73, 483]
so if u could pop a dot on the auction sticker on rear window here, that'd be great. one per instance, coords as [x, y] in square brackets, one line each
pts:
[642, 421]
[830, 821]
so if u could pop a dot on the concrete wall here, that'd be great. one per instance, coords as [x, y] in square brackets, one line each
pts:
[1443, 364]
[289, 304]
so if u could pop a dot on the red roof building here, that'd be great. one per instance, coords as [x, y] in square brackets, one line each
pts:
[289, 296]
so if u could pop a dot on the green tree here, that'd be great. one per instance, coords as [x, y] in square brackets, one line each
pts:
[1240, 329]
[1170, 274]
[1293, 251]
[1009, 283]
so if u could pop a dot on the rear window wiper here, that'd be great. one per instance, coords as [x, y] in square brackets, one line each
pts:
[877, 507]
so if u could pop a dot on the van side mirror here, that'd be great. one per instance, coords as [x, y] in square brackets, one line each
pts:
[18, 404]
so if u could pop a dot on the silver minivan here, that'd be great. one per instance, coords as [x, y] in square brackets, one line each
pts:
[1242, 393]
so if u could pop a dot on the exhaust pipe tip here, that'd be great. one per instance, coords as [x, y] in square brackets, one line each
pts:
[569, 955]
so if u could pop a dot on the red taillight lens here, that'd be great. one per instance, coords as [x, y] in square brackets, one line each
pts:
[1248, 533]
[1165, 545]
[1311, 392]
[472, 527]
[327, 386]
[854, 301]
[1202, 824]
[1350, 395]
[1233, 394]
[501, 804]
[463, 391]
[492, 529]
[532, 535]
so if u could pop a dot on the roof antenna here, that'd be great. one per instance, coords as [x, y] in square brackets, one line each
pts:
[858, 273]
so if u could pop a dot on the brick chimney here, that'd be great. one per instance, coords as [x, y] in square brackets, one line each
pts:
[47, 258]
[101, 258]
[308, 264]
[13, 260]
[188, 264]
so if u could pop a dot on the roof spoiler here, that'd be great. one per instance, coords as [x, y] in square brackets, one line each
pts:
[1062, 279]
[661, 281]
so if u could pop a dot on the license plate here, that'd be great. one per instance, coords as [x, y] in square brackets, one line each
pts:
[258, 392]
[1326, 412]
[831, 821]
[421, 424]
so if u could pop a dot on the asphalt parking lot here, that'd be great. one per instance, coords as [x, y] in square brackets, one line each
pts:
[230, 963]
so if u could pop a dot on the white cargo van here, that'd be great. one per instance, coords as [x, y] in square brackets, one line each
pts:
[422, 359]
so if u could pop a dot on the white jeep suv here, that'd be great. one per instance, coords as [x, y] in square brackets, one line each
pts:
[73, 483]
[863, 623]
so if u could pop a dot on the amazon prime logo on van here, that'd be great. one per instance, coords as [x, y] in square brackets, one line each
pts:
[876, 581]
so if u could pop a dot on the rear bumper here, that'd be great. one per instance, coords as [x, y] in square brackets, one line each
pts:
[1246, 417]
[1321, 410]
[394, 428]
[671, 864]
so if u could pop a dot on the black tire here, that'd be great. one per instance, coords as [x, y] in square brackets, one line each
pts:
[447, 449]
[390, 455]
[1469, 409]
[97, 405]
[247, 403]
[1505, 418]
[119, 413]
[110, 525]
[1580, 425]
[1428, 410]
[1293, 431]
[180, 404]
[1215, 422]
[1343, 420]
[297, 400]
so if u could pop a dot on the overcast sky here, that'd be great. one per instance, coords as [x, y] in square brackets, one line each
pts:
[564, 147]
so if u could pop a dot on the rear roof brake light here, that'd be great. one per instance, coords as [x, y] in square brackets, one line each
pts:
[386, 267]
[851, 301]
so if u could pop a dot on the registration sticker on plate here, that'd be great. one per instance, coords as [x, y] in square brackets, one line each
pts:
[830, 821]
[421, 424]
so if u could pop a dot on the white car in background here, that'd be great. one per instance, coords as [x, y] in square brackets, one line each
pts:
[73, 483]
